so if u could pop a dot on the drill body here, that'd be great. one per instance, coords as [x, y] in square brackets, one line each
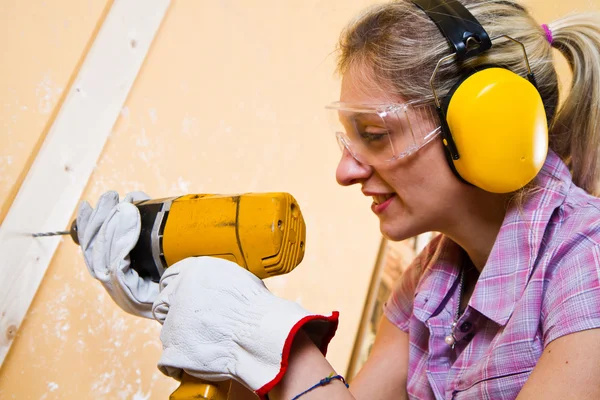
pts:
[262, 232]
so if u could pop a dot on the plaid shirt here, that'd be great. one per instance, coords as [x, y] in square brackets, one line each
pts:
[541, 281]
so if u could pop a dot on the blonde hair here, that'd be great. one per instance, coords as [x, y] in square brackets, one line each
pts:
[399, 46]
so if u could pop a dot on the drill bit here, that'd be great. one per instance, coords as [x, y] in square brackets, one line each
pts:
[72, 232]
[51, 233]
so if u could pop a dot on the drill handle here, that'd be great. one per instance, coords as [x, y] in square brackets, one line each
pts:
[193, 388]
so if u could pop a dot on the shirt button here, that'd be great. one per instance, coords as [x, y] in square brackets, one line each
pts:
[466, 326]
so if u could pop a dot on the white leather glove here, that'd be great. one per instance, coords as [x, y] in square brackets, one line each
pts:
[107, 234]
[221, 322]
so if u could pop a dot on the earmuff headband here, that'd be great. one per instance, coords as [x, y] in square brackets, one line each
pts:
[458, 25]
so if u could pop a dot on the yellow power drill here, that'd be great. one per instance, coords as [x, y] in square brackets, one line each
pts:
[262, 232]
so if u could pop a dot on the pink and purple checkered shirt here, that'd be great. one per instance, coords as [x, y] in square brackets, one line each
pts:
[541, 281]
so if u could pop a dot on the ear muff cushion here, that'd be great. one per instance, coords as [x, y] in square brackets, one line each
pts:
[498, 123]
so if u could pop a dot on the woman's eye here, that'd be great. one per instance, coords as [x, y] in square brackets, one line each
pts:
[373, 137]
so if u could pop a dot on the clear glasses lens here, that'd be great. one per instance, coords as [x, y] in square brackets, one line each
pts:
[375, 134]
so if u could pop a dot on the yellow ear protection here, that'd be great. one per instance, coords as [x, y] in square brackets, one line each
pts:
[494, 127]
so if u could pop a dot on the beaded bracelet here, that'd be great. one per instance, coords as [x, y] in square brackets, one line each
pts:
[323, 382]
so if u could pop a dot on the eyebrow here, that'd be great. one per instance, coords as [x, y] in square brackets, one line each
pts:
[351, 115]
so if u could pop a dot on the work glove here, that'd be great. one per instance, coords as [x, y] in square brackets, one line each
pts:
[220, 322]
[106, 235]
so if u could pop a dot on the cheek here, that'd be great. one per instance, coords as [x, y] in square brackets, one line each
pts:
[422, 176]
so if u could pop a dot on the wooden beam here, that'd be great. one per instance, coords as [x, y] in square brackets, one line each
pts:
[55, 182]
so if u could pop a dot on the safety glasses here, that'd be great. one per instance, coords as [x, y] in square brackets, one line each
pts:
[379, 133]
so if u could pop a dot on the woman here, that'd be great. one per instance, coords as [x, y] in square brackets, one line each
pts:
[505, 303]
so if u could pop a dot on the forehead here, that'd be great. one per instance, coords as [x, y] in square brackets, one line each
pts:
[360, 87]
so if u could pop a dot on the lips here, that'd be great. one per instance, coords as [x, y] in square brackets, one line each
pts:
[381, 198]
[379, 208]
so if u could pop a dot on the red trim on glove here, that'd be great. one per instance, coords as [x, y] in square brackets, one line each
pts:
[287, 347]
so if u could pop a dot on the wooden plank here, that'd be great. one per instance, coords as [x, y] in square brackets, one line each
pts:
[56, 180]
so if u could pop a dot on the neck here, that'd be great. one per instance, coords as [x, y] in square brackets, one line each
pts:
[475, 224]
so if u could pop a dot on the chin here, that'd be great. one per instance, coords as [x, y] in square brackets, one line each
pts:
[397, 233]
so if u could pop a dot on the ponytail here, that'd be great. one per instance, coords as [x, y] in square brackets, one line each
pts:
[575, 129]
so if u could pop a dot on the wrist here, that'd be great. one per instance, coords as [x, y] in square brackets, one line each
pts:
[310, 333]
[307, 375]
[306, 365]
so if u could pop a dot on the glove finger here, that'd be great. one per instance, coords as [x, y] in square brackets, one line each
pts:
[115, 241]
[83, 216]
[161, 305]
[171, 273]
[160, 309]
[116, 238]
[169, 282]
[105, 204]
[84, 212]
[135, 196]
[142, 291]
[137, 293]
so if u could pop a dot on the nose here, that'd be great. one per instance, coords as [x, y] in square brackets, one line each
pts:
[350, 170]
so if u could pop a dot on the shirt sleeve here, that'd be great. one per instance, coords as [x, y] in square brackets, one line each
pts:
[572, 299]
[399, 305]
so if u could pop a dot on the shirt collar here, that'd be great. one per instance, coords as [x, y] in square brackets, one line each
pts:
[515, 251]
[438, 280]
